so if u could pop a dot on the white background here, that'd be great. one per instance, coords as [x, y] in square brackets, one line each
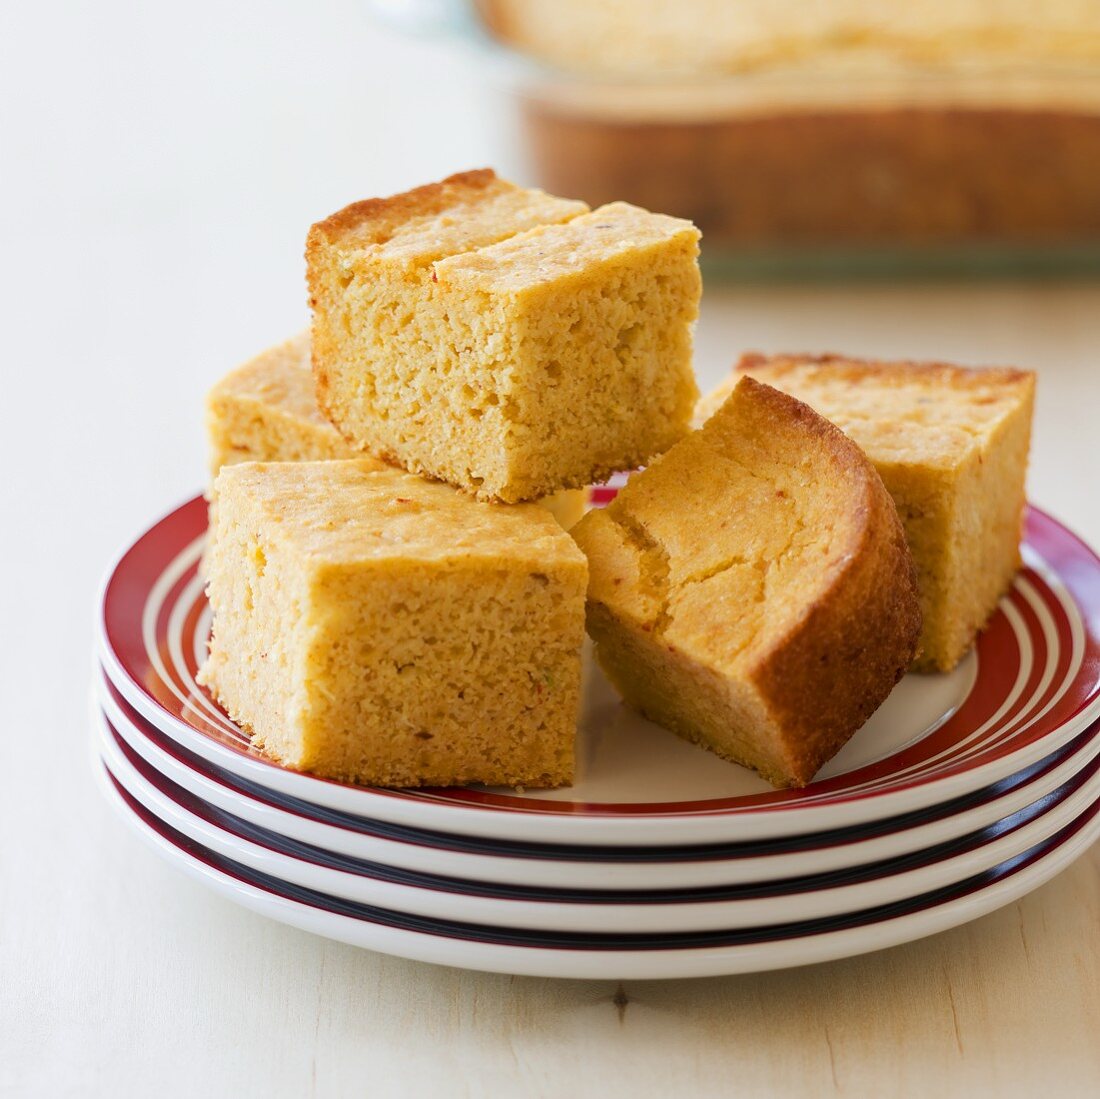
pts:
[159, 167]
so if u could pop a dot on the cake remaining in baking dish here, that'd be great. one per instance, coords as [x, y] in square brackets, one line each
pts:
[503, 340]
[713, 36]
[266, 411]
[752, 589]
[951, 445]
[374, 627]
[854, 135]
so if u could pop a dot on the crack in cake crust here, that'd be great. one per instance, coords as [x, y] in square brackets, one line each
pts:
[752, 589]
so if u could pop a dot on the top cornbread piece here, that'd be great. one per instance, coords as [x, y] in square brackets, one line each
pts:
[266, 411]
[375, 627]
[503, 340]
[951, 445]
[752, 589]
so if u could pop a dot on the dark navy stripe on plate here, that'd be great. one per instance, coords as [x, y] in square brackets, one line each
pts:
[812, 883]
[583, 853]
[607, 940]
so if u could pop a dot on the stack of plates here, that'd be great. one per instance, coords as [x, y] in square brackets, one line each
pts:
[963, 793]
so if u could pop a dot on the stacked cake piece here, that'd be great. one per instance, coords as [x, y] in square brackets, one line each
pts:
[372, 626]
[376, 627]
[266, 411]
[510, 343]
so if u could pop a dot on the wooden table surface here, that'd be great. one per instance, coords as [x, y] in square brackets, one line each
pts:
[157, 234]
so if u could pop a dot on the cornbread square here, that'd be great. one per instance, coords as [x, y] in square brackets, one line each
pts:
[266, 411]
[752, 590]
[503, 340]
[951, 445]
[372, 627]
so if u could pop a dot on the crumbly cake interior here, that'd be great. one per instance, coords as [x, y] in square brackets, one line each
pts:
[706, 564]
[596, 316]
[258, 588]
[951, 446]
[507, 342]
[266, 411]
[373, 627]
[450, 683]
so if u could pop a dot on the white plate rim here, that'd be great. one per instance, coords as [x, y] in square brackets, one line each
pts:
[622, 829]
[614, 964]
[548, 872]
[576, 916]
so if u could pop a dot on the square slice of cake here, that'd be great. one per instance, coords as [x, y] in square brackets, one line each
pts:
[503, 340]
[752, 589]
[266, 411]
[373, 627]
[951, 445]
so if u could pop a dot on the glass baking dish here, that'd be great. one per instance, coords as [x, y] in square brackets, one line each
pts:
[824, 164]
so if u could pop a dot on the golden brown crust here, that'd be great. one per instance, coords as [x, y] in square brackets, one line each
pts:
[389, 212]
[833, 633]
[851, 647]
[837, 665]
[785, 407]
[951, 444]
[431, 198]
[855, 370]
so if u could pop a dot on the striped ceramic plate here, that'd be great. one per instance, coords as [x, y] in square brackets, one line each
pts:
[648, 910]
[587, 866]
[1031, 686]
[618, 952]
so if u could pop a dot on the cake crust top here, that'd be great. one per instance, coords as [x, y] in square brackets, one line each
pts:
[279, 378]
[905, 413]
[349, 512]
[564, 249]
[767, 456]
[458, 214]
[843, 368]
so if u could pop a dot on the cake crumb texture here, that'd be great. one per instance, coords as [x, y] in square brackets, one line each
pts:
[508, 342]
[266, 411]
[752, 590]
[951, 444]
[373, 627]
